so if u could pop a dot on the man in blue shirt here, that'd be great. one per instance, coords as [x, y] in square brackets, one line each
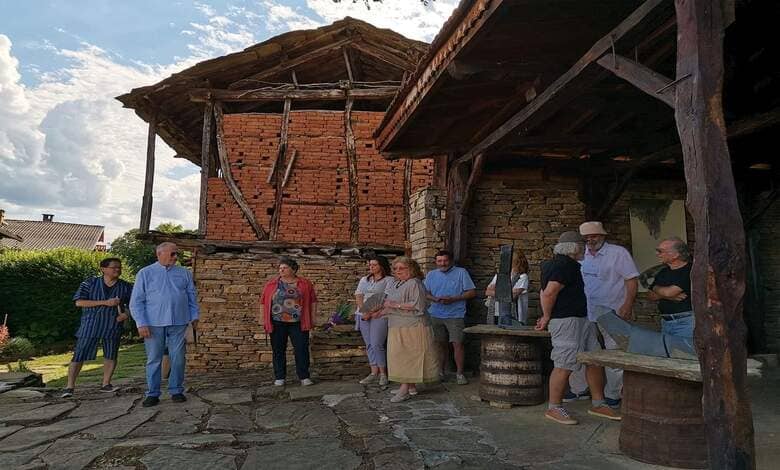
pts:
[164, 302]
[100, 298]
[449, 287]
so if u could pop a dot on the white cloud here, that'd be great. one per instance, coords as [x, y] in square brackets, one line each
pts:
[412, 18]
[280, 17]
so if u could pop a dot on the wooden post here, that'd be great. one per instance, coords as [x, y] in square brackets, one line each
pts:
[277, 169]
[408, 167]
[224, 164]
[461, 184]
[205, 167]
[352, 170]
[146, 203]
[718, 272]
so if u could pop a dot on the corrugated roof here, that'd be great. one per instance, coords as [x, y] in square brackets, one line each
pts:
[6, 233]
[39, 235]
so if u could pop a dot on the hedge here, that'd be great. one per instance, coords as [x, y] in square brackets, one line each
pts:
[37, 287]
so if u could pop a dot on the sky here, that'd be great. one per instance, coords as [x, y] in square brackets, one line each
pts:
[68, 148]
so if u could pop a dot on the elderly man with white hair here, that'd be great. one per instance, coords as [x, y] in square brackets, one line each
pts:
[565, 315]
[163, 303]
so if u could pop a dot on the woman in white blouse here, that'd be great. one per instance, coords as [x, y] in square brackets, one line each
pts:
[519, 288]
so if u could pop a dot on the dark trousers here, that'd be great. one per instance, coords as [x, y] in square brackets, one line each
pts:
[300, 342]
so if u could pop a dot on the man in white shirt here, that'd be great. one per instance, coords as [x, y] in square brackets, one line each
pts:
[611, 282]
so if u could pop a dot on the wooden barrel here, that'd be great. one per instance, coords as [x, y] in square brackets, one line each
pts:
[511, 370]
[662, 421]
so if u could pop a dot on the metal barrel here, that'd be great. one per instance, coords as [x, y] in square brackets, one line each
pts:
[662, 421]
[511, 370]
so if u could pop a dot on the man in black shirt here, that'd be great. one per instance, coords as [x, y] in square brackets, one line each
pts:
[565, 315]
[672, 288]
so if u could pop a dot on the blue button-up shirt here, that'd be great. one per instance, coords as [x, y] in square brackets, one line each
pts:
[453, 282]
[164, 296]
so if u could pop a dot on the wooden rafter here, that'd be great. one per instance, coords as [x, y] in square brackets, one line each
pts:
[352, 173]
[227, 175]
[461, 185]
[408, 167]
[146, 203]
[205, 167]
[277, 168]
[642, 77]
[374, 93]
[347, 64]
[548, 99]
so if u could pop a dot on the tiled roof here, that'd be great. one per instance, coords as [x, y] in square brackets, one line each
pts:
[6, 233]
[38, 235]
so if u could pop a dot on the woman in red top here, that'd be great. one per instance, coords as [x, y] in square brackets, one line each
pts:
[287, 308]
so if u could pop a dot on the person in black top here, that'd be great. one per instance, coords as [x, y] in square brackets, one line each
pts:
[672, 288]
[565, 315]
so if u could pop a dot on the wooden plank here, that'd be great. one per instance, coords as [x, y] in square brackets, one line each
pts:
[718, 271]
[642, 77]
[460, 190]
[663, 366]
[278, 164]
[288, 171]
[374, 93]
[556, 88]
[528, 331]
[224, 164]
[383, 55]
[146, 202]
[352, 172]
[205, 167]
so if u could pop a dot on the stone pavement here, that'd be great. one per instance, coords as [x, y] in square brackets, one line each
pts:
[240, 421]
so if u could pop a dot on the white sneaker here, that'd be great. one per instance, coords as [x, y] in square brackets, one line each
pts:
[382, 380]
[306, 382]
[411, 391]
[370, 378]
[462, 380]
[279, 383]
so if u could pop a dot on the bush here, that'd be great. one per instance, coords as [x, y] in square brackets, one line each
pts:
[18, 348]
[37, 287]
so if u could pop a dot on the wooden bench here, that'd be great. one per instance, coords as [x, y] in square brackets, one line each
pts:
[662, 416]
[510, 371]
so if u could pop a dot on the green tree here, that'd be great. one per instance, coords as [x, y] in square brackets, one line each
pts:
[140, 253]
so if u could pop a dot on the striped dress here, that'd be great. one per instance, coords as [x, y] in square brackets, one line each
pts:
[100, 322]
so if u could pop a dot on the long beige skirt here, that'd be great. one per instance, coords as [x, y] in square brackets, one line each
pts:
[412, 355]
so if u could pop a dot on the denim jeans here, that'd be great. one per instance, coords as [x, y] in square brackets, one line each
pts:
[300, 341]
[679, 326]
[172, 338]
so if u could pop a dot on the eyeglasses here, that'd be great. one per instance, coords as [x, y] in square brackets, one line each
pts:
[174, 253]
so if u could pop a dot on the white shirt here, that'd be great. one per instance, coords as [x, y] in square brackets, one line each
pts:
[522, 299]
[605, 274]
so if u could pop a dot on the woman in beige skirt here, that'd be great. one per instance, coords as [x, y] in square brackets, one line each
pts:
[411, 352]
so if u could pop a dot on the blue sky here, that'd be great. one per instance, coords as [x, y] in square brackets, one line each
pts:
[68, 148]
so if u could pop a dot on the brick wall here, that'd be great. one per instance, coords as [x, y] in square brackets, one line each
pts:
[229, 287]
[315, 204]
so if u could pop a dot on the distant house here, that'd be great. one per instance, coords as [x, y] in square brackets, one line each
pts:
[45, 234]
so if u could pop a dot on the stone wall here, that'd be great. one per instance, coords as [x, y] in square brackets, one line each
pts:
[229, 286]
[315, 202]
[768, 260]
[427, 211]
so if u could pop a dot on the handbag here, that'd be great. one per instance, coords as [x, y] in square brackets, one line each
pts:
[190, 334]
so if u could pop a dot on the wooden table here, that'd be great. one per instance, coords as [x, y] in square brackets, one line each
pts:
[662, 418]
[510, 371]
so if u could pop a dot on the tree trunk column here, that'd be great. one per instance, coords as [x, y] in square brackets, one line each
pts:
[718, 273]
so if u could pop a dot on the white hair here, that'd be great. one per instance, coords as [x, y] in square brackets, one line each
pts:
[567, 248]
[163, 246]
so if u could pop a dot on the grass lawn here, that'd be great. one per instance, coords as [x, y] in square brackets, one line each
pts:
[55, 367]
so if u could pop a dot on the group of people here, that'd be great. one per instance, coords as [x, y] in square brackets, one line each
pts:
[589, 287]
[409, 320]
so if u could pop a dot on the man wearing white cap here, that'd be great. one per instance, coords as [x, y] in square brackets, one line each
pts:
[611, 282]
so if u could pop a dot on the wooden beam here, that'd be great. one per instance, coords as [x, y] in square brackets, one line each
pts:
[288, 171]
[352, 172]
[227, 175]
[384, 55]
[461, 185]
[278, 165]
[642, 77]
[290, 64]
[345, 53]
[408, 171]
[146, 202]
[718, 271]
[555, 90]
[755, 123]
[375, 93]
[205, 167]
